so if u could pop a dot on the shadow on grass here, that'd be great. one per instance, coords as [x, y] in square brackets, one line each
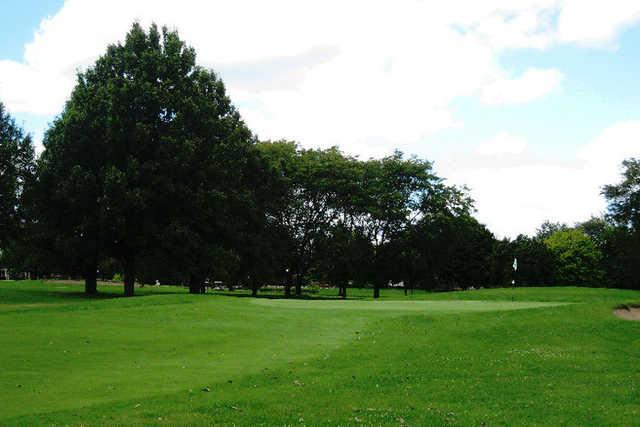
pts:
[282, 296]
[46, 291]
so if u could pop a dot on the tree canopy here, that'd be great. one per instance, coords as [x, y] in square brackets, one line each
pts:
[16, 174]
[148, 153]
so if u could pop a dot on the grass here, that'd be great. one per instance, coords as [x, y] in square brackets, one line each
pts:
[535, 356]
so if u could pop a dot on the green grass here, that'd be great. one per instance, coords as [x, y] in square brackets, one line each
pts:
[535, 356]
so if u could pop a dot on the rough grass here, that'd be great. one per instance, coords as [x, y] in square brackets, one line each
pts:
[489, 357]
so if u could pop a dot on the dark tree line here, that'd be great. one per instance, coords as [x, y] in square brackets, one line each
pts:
[150, 173]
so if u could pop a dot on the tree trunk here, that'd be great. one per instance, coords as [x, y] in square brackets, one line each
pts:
[298, 285]
[254, 286]
[376, 289]
[129, 277]
[344, 291]
[287, 286]
[91, 281]
[194, 285]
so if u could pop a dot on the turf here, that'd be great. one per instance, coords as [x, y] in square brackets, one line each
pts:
[535, 356]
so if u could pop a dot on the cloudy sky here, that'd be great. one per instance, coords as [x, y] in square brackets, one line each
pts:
[532, 104]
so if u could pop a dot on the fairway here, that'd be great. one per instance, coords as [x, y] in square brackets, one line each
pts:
[426, 307]
[495, 356]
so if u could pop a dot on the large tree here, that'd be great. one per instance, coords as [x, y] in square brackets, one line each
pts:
[621, 242]
[16, 174]
[151, 157]
[313, 186]
[394, 194]
[624, 197]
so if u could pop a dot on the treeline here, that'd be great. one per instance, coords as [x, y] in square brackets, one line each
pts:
[150, 173]
[600, 252]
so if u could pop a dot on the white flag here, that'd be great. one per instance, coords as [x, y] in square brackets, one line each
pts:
[515, 264]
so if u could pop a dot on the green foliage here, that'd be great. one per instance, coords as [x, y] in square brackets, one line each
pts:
[577, 257]
[450, 251]
[16, 173]
[350, 220]
[620, 250]
[536, 262]
[150, 163]
[312, 187]
[624, 197]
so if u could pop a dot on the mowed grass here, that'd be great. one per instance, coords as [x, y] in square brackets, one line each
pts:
[534, 356]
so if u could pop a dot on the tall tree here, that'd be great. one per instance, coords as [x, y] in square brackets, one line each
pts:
[395, 194]
[17, 171]
[622, 244]
[313, 182]
[624, 198]
[150, 150]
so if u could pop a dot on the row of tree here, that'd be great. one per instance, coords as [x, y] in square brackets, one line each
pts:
[151, 173]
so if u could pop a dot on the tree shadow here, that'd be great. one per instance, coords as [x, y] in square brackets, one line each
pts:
[303, 297]
[52, 292]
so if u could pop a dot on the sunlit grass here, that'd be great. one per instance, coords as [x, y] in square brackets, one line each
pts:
[495, 356]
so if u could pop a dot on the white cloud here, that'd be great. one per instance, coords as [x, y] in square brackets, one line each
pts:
[502, 144]
[27, 89]
[603, 156]
[595, 23]
[517, 199]
[515, 195]
[533, 84]
[377, 71]
[422, 53]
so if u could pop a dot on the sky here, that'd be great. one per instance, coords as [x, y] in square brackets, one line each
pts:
[531, 104]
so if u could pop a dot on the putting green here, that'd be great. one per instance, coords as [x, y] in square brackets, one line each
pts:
[428, 307]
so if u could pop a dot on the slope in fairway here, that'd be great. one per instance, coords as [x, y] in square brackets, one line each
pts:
[167, 358]
[83, 351]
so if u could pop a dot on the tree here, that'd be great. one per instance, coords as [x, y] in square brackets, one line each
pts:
[536, 260]
[547, 228]
[450, 250]
[577, 257]
[152, 156]
[342, 257]
[621, 257]
[624, 198]
[395, 194]
[313, 185]
[622, 243]
[17, 171]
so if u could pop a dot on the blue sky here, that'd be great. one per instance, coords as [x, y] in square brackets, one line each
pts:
[599, 87]
[17, 28]
[532, 104]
